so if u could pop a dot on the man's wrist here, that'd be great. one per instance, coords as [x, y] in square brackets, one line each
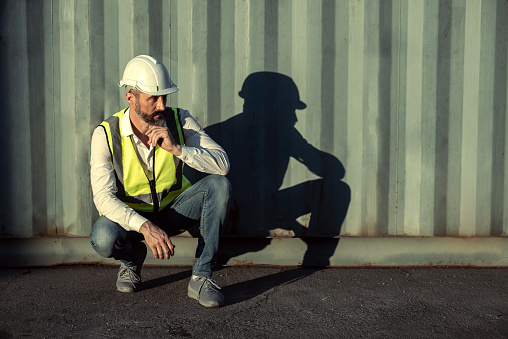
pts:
[177, 150]
[145, 227]
[137, 221]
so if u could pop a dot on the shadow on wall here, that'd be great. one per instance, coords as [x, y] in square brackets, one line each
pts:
[260, 142]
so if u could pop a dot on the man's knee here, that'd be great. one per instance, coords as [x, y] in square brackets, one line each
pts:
[220, 186]
[103, 238]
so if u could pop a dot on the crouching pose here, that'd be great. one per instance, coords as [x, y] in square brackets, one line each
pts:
[139, 189]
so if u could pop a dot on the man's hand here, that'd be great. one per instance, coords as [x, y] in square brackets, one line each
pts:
[161, 135]
[157, 240]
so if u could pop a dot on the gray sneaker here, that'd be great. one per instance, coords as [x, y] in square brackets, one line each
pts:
[206, 291]
[129, 277]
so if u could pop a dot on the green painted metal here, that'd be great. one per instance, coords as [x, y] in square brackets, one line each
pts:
[403, 133]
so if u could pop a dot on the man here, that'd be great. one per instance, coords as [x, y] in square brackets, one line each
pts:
[139, 189]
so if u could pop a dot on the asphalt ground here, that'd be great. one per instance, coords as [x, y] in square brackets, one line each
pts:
[261, 302]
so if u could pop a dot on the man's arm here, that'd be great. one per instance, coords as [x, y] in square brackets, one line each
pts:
[104, 189]
[200, 151]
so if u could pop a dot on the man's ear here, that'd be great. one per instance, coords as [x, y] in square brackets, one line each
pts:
[130, 98]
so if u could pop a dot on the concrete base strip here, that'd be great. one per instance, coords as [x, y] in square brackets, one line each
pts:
[382, 252]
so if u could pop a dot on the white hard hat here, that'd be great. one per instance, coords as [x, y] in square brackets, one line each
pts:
[149, 75]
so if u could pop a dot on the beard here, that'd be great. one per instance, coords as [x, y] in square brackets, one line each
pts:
[150, 118]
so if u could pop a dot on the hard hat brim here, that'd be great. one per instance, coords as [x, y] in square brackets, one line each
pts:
[166, 91]
[161, 92]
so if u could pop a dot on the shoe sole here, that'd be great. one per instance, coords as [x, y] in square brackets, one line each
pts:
[194, 295]
[125, 290]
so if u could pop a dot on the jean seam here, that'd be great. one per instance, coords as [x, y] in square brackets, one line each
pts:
[202, 229]
[203, 217]
[198, 263]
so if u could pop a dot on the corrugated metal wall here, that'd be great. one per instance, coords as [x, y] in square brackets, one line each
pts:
[403, 130]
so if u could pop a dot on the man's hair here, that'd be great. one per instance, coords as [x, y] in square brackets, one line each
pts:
[133, 90]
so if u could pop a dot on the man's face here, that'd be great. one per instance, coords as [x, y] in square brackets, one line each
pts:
[150, 108]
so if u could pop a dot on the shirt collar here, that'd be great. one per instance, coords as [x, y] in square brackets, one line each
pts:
[126, 124]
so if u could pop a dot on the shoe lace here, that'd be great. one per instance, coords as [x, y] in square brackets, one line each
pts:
[209, 281]
[129, 273]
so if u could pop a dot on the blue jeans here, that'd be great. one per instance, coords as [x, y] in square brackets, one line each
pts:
[206, 203]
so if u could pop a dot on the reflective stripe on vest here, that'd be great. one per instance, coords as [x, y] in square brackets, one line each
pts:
[133, 186]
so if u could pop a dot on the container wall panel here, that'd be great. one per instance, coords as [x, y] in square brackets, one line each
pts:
[340, 118]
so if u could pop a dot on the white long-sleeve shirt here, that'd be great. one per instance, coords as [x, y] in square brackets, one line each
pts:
[200, 152]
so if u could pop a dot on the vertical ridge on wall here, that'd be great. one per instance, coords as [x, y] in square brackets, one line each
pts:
[340, 94]
[484, 218]
[470, 120]
[155, 20]
[35, 30]
[401, 15]
[429, 116]
[443, 118]
[327, 36]
[301, 70]
[113, 37]
[355, 112]
[21, 134]
[413, 121]
[392, 17]
[287, 47]
[98, 70]
[82, 110]
[198, 52]
[455, 107]
[371, 121]
[66, 143]
[285, 33]
[48, 83]
[127, 31]
[173, 50]
[164, 32]
[56, 96]
[214, 81]
[227, 64]
[16, 172]
[271, 35]
[500, 184]
[309, 120]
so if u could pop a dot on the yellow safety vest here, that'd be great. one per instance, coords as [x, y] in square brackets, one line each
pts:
[134, 187]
